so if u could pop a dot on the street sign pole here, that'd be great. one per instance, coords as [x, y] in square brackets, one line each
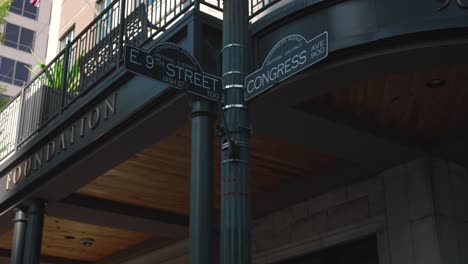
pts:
[235, 157]
[201, 184]
[201, 232]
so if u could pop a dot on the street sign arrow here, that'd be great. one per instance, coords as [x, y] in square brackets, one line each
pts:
[288, 57]
[171, 64]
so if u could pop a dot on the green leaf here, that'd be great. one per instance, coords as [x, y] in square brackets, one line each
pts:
[4, 7]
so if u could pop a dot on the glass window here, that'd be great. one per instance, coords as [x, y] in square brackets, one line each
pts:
[6, 70]
[18, 37]
[68, 37]
[21, 74]
[26, 42]
[16, 5]
[13, 72]
[105, 25]
[103, 4]
[11, 35]
[24, 8]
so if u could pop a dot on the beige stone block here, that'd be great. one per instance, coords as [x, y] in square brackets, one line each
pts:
[365, 188]
[300, 211]
[401, 249]
[263, 234]
[348, 213]
[442, 185]
[462, 229]
[377, 204]
[309, 226]
[327, 200]
[396, 195]
[273, 230]
[459, 192]
[262, 226]
[283, 218]
[425, 244]
[448, 240]
[420, 197]
[283, 222]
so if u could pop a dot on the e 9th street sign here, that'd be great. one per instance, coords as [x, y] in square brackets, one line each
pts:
[171, 64]
[288, 57]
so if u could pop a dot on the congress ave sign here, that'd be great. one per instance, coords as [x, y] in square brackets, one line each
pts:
[288, 57]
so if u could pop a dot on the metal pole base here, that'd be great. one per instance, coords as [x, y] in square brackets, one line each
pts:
[32, 251]
[19, 232]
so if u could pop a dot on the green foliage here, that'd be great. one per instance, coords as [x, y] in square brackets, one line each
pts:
[4, 7]
[3, 144]
[54, 75]
[4, 100]
[3, 141]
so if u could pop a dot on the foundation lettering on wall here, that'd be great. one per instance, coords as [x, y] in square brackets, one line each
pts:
[63, 141]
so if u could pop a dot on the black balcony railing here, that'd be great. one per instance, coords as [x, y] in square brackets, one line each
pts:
[258, 6]
[215, 4]
[93, 54]
[9, 118]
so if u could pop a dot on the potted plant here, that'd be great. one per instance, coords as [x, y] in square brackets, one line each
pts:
[45, 95]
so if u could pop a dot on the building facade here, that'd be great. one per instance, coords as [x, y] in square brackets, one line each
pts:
[71, 17]
[355, 150]
[26, 34]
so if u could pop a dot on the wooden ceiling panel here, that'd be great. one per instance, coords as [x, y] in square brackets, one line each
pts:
[159, 177]
[404, 103]
[107, 240]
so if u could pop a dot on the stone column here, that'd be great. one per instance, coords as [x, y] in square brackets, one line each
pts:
[427, 218]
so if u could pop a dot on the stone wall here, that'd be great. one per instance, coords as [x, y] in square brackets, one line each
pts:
[418, 212]
[315, 223]
[427, 216]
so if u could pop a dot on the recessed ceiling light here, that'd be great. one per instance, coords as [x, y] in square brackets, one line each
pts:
[87, 242]
[435, 83]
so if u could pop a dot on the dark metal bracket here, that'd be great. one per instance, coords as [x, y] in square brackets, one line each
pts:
[223, 129]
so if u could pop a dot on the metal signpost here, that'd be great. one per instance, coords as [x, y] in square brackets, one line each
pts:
[288, 57]
[171, 64]
[235, 226]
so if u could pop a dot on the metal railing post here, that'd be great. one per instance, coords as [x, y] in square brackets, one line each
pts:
[197, 4]
[20, 120]
[66, 60]
[121, 28]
